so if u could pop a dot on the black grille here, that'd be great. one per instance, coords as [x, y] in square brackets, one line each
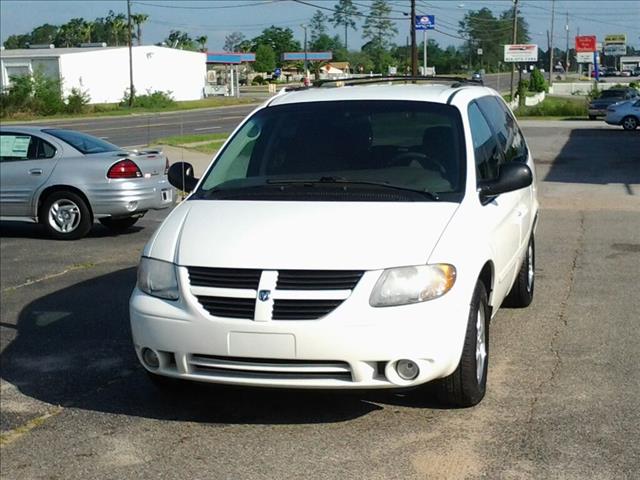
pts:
[303, 309]
[228, 306]
[224, 277]
[318, 279]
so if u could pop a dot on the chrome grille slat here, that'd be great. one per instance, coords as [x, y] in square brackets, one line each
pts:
[265, 368]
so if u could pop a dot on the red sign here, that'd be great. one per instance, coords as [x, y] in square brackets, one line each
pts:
[586, 43]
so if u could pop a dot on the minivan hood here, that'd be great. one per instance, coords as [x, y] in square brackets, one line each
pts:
[301, 235]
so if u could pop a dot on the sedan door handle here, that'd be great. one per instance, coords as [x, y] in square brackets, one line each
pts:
[35, 171]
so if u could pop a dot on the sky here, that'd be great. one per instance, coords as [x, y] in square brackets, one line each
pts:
[217, 18]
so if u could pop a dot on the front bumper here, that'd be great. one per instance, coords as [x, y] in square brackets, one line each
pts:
[355, 346]
[120, 198]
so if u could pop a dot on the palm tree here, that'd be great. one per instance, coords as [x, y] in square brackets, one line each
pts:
[138, 19]
[117, 26]
[202, 41]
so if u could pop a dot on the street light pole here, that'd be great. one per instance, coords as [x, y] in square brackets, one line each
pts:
[414, 51]
[306, 76]
[553, 14]
[514, 39]
[131, 89]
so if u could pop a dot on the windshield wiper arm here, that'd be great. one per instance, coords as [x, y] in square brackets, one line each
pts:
[346, 181]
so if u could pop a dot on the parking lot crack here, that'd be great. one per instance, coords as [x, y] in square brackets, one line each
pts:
[74, 267]
[561, 324]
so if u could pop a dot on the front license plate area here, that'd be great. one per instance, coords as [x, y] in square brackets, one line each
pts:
[262, 345]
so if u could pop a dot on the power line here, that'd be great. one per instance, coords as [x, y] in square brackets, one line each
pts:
[189, 7]
[362, 15]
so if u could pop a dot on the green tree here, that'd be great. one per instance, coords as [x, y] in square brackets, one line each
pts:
[116, 28]
[180, 40]
[279, 39]
[17, 41]
[233, 41]
[377, 28]
[343, 14]
[317, 25]
[202, 42]
[138, 19]
[360, 62]
[265, 59]
[44, 34]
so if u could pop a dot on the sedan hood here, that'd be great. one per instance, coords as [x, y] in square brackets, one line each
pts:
[301, 235]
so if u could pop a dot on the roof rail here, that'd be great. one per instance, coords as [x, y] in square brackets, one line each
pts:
[455, 81]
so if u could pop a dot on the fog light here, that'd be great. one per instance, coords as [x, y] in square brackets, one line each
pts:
[132, 205]
[407, 370]
[150, 358]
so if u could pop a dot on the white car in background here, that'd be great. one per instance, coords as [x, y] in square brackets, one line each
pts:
[353, 237]
[625, 113]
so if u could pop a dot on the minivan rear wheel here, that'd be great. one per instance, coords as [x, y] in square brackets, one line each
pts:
[466, 386]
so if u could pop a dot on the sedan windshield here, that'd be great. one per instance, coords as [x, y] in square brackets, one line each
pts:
[82, 142]
[365, 150]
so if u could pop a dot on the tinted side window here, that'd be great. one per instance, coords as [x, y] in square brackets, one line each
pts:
[20, 146]
[505, 127]
[484, 145]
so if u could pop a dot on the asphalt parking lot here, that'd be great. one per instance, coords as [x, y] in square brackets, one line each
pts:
[564, 387]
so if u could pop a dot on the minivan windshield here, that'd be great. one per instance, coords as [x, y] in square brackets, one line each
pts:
[346, 150]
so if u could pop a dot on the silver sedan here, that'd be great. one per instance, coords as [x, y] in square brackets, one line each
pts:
[65, 179]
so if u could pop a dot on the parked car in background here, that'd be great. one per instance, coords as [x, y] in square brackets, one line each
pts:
[626, 73]
[636, 72]
[598, 106]
[65, 179]
[626, 114]
[355, 237]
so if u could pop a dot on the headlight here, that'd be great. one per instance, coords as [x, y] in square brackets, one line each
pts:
[158, 278]
[404, 285]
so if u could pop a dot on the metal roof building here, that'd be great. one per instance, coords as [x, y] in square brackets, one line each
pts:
[103, 72]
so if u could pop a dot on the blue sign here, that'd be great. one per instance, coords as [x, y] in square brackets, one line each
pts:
[425, 22]
[230, 58]
[311, 56]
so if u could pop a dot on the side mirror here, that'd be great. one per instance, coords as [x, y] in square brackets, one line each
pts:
[181, 176]
[513, 176]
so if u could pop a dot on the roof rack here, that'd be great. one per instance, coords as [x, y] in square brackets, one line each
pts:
[455, 81]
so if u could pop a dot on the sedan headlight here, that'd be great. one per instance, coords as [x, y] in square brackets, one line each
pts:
[158, 278]
[404, 285]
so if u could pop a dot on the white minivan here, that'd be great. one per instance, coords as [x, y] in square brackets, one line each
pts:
[361, 236]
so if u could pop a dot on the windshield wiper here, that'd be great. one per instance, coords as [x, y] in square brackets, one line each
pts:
[346, 181]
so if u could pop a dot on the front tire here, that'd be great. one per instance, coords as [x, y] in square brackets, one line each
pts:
[629, 123]
[65, 215]
[466, 386]
[118, 224]
[521, 293]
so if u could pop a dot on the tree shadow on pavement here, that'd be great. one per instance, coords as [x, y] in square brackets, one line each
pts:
[73, 348]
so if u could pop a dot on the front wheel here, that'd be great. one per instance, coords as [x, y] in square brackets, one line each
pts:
[118, 224]
[521, 293]
[629, 123]
[466, 386]
[65, 215]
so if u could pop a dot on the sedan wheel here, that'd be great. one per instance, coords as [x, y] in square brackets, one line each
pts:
[65, 215]
[629, 123]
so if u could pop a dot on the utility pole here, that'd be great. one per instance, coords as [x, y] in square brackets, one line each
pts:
[131, 89]
[566, 27]
[306, 77]
[414, 50]
[553, 14]
[514, 40]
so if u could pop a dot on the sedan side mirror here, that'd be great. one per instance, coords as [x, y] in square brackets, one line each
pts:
[513, 176]
[181, 176]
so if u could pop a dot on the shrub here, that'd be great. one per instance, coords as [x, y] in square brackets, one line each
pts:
[537, 82]
[258, 80]
[33, 94]
[151, 99]
[77, 101]
[523, 86]
[555, 107]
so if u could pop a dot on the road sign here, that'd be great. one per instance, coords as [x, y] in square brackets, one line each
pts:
[615, 49]
[585, 57]
[615, 38]
[586, 43]
[479, 51]
[425, 22]
[521, 53]
[311, 56]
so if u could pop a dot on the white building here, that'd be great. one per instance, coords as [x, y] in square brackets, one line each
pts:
[103, 72]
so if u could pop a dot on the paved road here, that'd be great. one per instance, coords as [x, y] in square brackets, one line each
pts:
[141, 130]
[563, 401]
